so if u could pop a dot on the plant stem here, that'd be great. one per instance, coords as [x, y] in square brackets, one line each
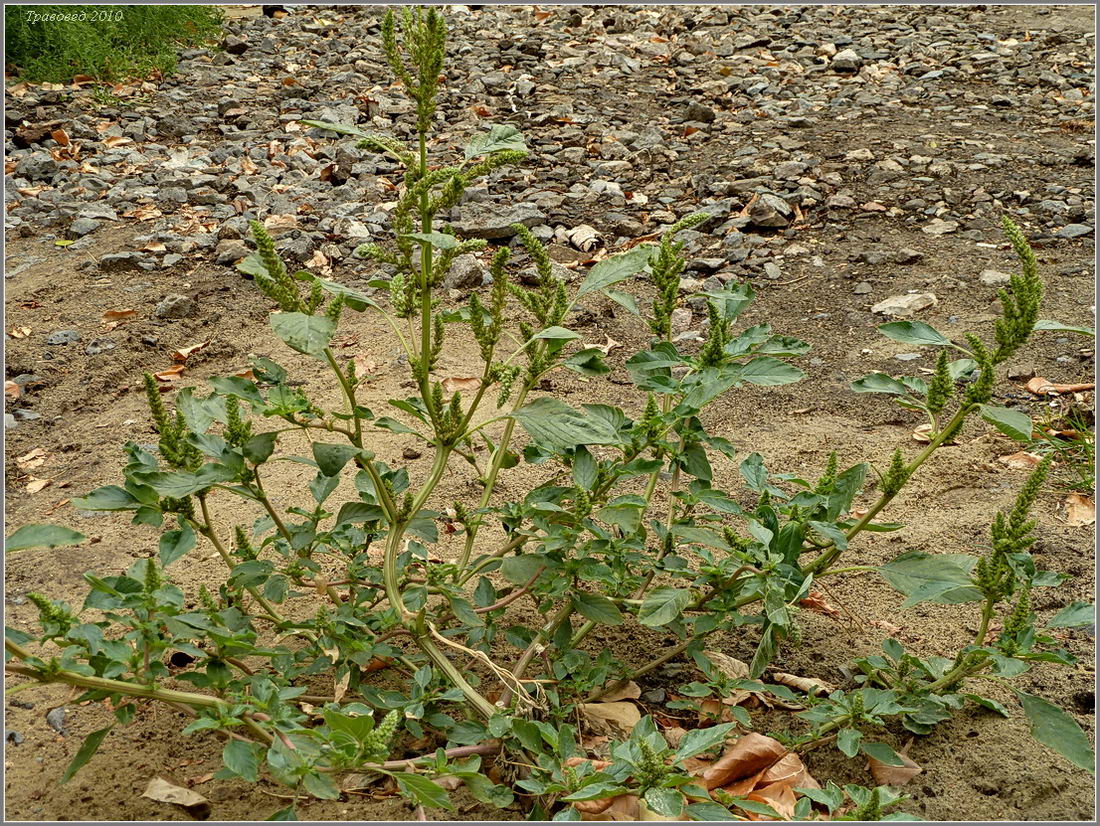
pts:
[832, 553]
[104, 684]
[491, 480]
[529, 654]
[349, 397]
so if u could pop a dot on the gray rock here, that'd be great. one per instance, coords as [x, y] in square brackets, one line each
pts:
[492, 222]
[230, 251]
[55, 719]
[770, 211]
[939, 227]
[170, 260]
[680, 320]
[846, 60]
[235, 45]
[992, 278]
[466, 273]
[99, 345]
[82, 226]
[862, 288]
[698, 112]
[176, 306]
[62, 337]
[175, 126]
[907, 356]
[1073, 231]
[905, 305]
[9, 422]
[772, 271]
[120, 262]
[907, 255]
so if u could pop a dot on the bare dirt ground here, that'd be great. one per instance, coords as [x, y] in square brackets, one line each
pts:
[977, 767]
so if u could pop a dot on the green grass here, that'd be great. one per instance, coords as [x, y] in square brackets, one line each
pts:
[110, 43]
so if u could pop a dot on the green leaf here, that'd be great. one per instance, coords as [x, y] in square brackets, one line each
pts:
[557, 333]
[259, 448]
[107, 498]
[768, 372]
[662, 606]
[757, 808]
[285, 814]
[667, 802]
[321, 785]
[940, 578]
[847, 740]
[422, 790]
[42, 536]
[309, 334]
[560, 427]
[617, 268]
[1055, 728]
[339, 129]
[700, 740]
[331, 458]
[624, 299]
[520, 569]
[1012, 423]
[243, 759]
[439, 240]
[883, 753]
[1058, 327]
[499, 138]
[879, 383]
[87, 749]
[597, 608]
[239, 387]
[174, 544]
[709, 810]
[914, 332]
[1074, 615]
[985, 702]
[181, 484]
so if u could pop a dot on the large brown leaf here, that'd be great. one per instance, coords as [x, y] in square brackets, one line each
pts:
[747, 756]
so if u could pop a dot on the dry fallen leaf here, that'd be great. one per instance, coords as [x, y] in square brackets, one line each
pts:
[164, 792]
[29, 461]
[922, 433]
[364, 365]
[780, 796]
[1021, 460]
[1080, 510]
[183, 353]
[788, 769]
[1044, 387]
[607, 346]
[816, 601]
[118, 315]
[747, 756]
[887, 775]
[35, 485]
[615, 719]
[19, 332]
[12, 391]
[470, 384]
[584, 238]
[171, 374]
[621, 690]
[810, 685]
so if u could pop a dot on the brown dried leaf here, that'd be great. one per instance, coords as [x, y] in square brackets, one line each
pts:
[673, 735]
[886, 775]
[164, 792]
[1080, 510]
[789, 769]
[1044, 387]
[621, 690]
[116, 140]
[747, 756]
[780, 796]
[118, 315]
[469, 384]
[614, 719]
[35, 485]
[61, 136]
[1021, 460]
[12, 391]
[171, 374]
[622, 808]
[922, 433]
[364, 365]
[808, 684]
[183, 353]
[816, 601]
[280, 222]
[29, 461]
